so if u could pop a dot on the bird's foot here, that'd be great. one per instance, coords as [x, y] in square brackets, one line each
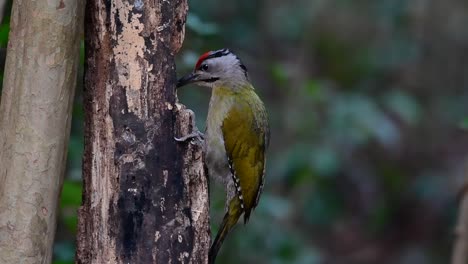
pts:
[194, 135]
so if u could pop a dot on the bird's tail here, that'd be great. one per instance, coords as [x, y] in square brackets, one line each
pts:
[229, 221]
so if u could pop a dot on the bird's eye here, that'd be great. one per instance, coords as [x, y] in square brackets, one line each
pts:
[204, 67]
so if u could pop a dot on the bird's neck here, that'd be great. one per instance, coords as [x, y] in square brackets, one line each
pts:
[222, 98]
[231, 87]
[233, 84]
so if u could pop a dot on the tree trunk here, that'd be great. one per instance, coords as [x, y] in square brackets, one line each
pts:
[145, 195]
[35, 115]
[2, 9]
[460, 249]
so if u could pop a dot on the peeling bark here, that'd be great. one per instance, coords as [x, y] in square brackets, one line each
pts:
[145, 195]
[35, 115]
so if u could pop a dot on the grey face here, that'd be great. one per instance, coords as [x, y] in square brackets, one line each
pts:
[216, 68]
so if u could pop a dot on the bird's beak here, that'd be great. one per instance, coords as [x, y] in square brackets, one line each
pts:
[187, 79]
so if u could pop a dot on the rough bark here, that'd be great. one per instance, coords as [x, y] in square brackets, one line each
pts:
[35, 115]
[460, 249]
[145, 195]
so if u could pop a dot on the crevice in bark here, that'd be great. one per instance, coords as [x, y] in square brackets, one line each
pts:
[145, 195]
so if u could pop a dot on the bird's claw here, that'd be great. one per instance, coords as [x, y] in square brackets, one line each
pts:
[194, 135]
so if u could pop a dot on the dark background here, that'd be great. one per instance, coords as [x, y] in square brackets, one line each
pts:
[368, 104]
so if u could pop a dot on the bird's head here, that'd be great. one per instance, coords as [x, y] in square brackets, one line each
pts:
[217, 68]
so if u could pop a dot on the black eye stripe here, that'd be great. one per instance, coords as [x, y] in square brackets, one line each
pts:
[210, 80]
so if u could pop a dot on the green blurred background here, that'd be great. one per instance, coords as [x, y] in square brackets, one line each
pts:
[368, 104]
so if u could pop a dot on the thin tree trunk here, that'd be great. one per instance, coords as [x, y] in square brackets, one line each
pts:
[145, 195]
[460, 249]
[3, 4]
[35, 115]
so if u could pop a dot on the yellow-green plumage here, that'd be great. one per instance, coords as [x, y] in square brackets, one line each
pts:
[237, 136]
[245, 136]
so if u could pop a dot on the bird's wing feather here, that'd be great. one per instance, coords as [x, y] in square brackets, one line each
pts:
[245, 142]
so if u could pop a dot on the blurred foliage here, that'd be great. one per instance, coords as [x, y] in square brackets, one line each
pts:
[369, 115]
[4, 31]
[368, 105]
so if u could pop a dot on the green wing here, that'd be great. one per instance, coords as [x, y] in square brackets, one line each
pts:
[245, 138]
